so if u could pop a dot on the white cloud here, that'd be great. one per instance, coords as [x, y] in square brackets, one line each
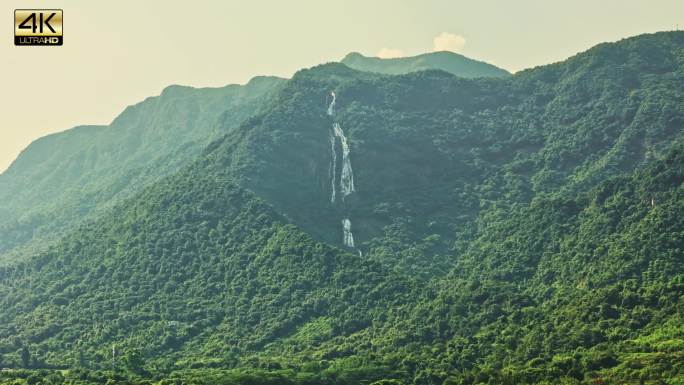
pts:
[390, 53]
[446, 41]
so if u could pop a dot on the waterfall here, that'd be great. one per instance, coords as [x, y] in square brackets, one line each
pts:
[333, 166]
[331, 107]
[347, 233]
[347, 177]
[347, 174]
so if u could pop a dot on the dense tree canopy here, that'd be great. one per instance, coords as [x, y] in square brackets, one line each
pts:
[521, 230]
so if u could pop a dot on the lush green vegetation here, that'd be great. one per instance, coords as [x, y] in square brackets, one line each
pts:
[64, 178]
[522, 230]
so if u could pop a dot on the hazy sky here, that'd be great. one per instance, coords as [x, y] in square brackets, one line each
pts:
[116, 53]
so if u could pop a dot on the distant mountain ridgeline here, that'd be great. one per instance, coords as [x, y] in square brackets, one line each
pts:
[451, 62]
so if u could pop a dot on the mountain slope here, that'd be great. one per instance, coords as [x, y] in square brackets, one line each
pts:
[237, 281]
[517, 230]
[571, 287]
[454, 63]
[190, 265]
[575, 289]
[63, 178]
[430, 152]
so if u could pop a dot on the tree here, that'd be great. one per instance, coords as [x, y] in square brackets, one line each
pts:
[81, 359]
[25, 357]
[391, 381]
[133, 360]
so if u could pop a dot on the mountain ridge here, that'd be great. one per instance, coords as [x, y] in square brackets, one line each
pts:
[448, 61]
[86, 168]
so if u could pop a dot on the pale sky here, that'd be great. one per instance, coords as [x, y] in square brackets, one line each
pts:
[116, 53]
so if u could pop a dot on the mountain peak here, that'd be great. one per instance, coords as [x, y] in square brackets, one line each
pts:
[452, 62]
[353, 56]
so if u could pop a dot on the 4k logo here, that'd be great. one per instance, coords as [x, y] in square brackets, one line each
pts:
[38, 27]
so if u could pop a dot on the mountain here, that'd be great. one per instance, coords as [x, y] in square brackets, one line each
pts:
[76, 174]
[420, 228]
[64, 178]
[451, 62]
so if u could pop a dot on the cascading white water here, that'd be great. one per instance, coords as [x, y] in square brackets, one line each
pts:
[347, 174]
[348, 236]
[333, 166]
[347, 177]
[331, 107]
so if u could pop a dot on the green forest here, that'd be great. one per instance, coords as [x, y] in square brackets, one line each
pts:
[512, 229]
